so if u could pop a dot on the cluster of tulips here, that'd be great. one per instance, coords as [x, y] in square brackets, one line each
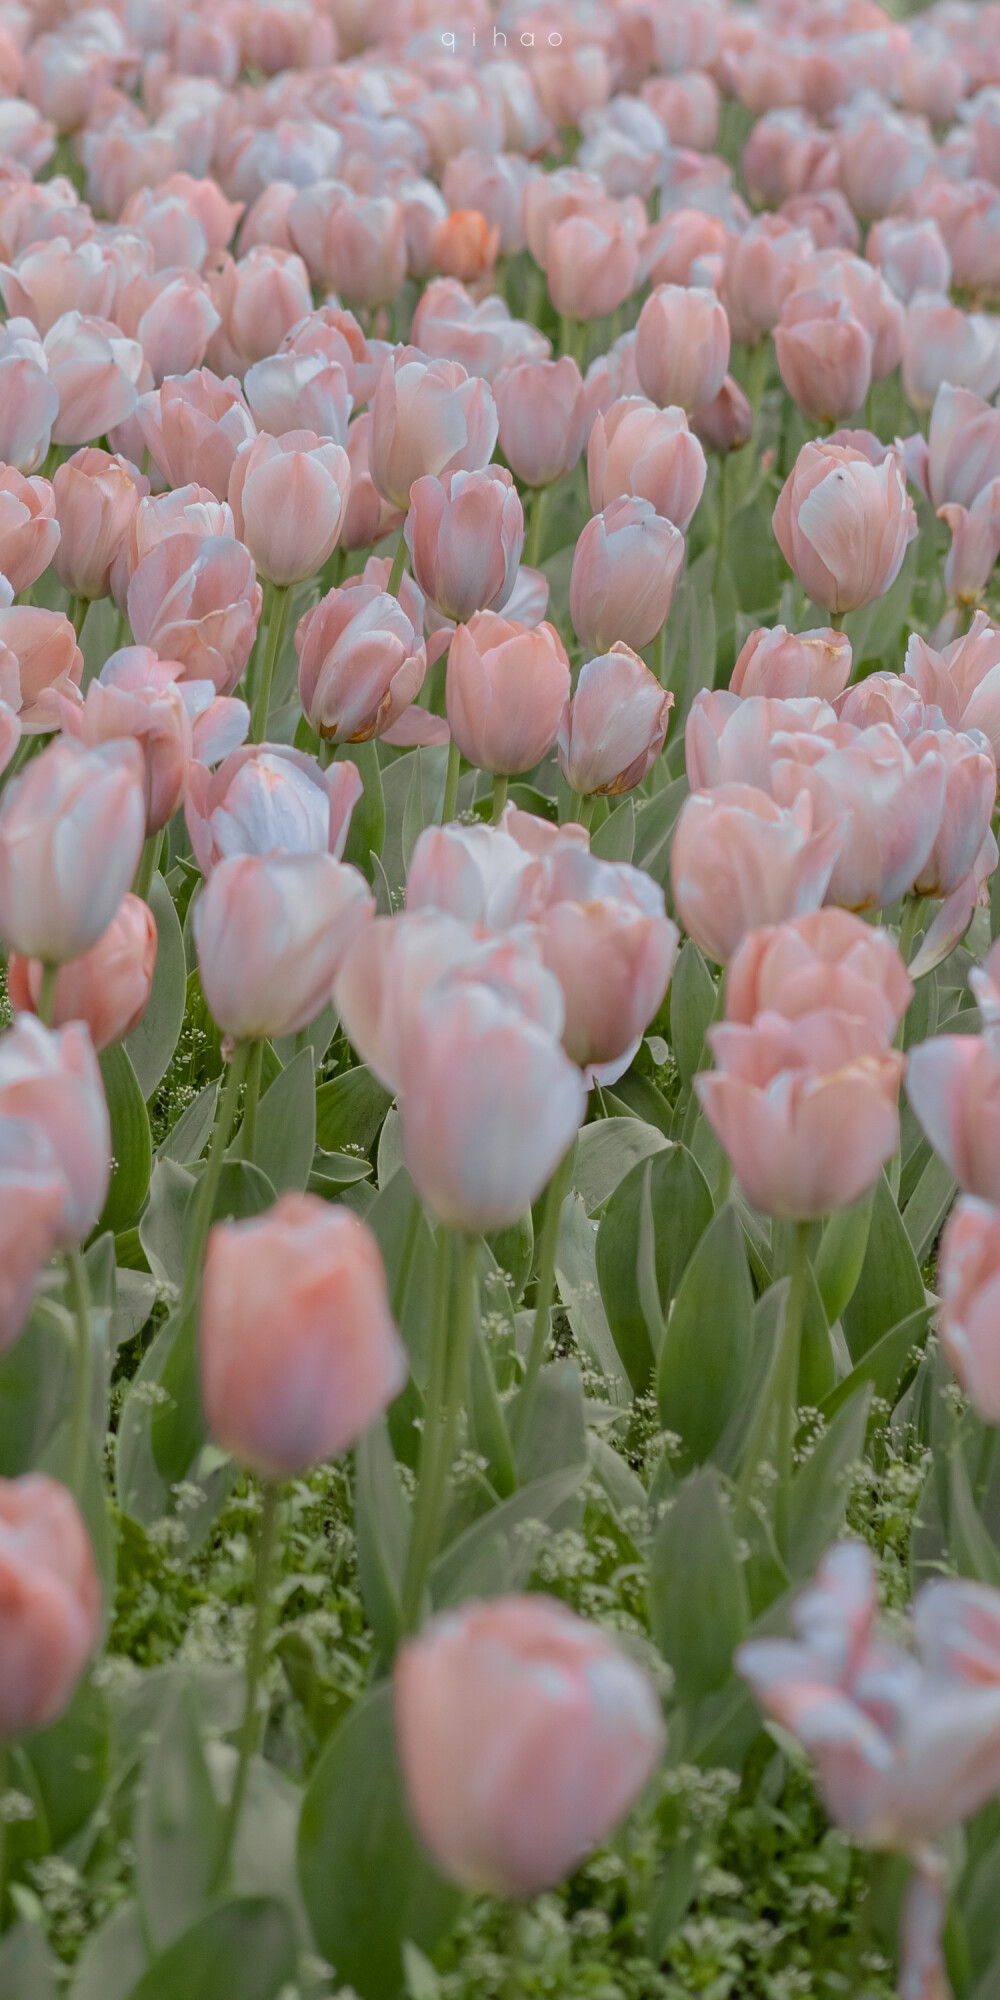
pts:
[372, 386]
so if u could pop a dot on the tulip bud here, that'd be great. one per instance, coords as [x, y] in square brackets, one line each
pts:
[506, 690]
[792, 666]
[726, 423]
[824, 355]
[953, 1084]
[360, 663]
[615, 725]
[196, 599]
[71, 832]
[465, 534]
[288, 497]
[427, 417]
[50, 1601]
[829, 958]
[650, 454]
[270, 932]
[299, 1352]
[95, 371]
[269, 799]
[605, 934]
[52, 1081]
[542, 415]
[524, 1735]
[843, 524]
[682, 346]
[968, 1265]
[96, 497]
[108, 987]
[193, 427]
[625, 565]
[592, 263]
[29, 531]
[739, 861]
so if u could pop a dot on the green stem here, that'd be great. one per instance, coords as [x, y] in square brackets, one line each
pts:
[557, 1191]
[148, 862]
[445, 1395]
[580, 809]
[280, 595]
[537, 509]
[912, 909]
[76, 612]
[720, 542]
[208, 1185]
[787, 1381]
[46, 998]
[267, 1543]
[398, 566]
[500, 783]
[837, 620]
[451, 783]
[691, 1109]
[76, 1272]
[251, 1099]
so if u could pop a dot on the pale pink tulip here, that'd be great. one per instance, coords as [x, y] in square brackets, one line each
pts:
[136, 694]
[450, 325]
[963, 448]
[296, 392]
[844, 524]
[187, 510]
[968, 1264]
[611, 952]
[31, 1205]
[49, 661]
[269, 799]
[71, 832]
[354, 246]
[963, 680]
[625, 565]
[29, 400]
[108, 987]
[739, 861]
[172, 316]
[826, 213]
[758, 274]
[506, 692]
[270, 932]
[51, 1080]
[650, 454]
[493, 183]
[592, 263]
[51, 278]
[886, 800]
[911, 256]
[95, 497]
[197, 600]
[824, 355]
[726, 423]
[688, 106]
[975, 544]
[682, 346]
[50, 1623]
[360, 663]
[95, 371]
[542, 415]
[427, 418]
[943, 344]
[615, 726]
[483, 875]
[259, 300]
[793, 665]
[953, 1084]
[737, 740]
[288, 496]
[29, 530]
[682, 240]
[193, 427]
[367, 518]
[465, 534]
[829, 958]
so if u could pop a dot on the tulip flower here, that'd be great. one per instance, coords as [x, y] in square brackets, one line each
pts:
[193, 427]
[299, 1352]
[506, 690]
[829, 958]
[542, 415]
[968, 1264]
[942, 344]
[824, 355]
[953, 1084]
[52, 1082]
[682, 346]
[29, 530]
[50, 1621]
[739, 861]
[299, 392]
[259, 300]
[592, 263]
[427, 417]
[360, 663]
[482, 874]
[738, 740]
[269, 800]
[758, 273]
[196, 599]
[963, 680]
[605, 934]
[969, 795]
[95, 497]
[887, 800]
[912, 256]
[975, 544]
[172, 316]
[465, 534]
[95, 371]
[843, 524]
[524, 1734]
[625, 565]
[288, 496]
[29, 400]
[49, 663]
[270, 932]
[71, 832]
[31, 1205]
[356, 246]
[792, 666]
[108, 987]
[726, 423]
[615, 726]
[650, 454]
[962, 453]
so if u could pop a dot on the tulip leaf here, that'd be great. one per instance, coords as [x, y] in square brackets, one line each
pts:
[692, 1005]
[70, 1760]
[161, 1229]
[890, 1286]
[497, 1553]
[928, 1205]
[682, 1208]
[131, 1146]
[881, 1365]
[382, 1528]
[820, 1489]
[245, 1946]
[973, 1549]
[178, 1824]
[27, 1967]
[36, 1389]
[367, 830]
[349, 1111]
[705, 1357]
[113, 1960]
[576, 1272]
[285, 1131]
[655, 820]
[614, 839]
[366, 1883]
[606, 1150]
[697, 1596]
[151, 1045]
[187, 1139]
[841, 1255]
[557, 1434]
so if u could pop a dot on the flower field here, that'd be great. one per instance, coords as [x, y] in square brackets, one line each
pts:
[500, 1001]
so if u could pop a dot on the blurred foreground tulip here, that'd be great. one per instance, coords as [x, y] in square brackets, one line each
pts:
[108, 987]
[953, 1084]
[52, 1081]
[31, 1207]
[969, 1279]
[71, 832]
[50, 1601]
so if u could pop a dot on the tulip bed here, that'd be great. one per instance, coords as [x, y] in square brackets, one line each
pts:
[500, 1050]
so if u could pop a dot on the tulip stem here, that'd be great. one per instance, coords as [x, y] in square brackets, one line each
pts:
[581, 810]
[251, 1099]
[558, 1189]
[398, 566]
[500, 783]
[76, 1272]
[912, 910]
[984, 1469]
[148, 861]
[46, 998]
[76, 613]
[208, 1185]
[451, 783]
[267, 1546]
[787, 1381]
[837, 621]
[279, 594]
[720, 539]
[445, 1395]
[537, 509]
[689, 1118]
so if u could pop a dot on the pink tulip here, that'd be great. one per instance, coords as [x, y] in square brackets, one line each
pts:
[824, 355]
[270, 932]
[95, 371]
[269, 799]
[108, 987]
[352, 245]
[886, 801]
[542, 416]
[826, 959]
[942, 344]
[29, 401]
[826, 214]
[969, 796]
[734, 740]
[682, 346]
[188, 510]
[965, 210]
[493, 183]
[427, 417]
[49, 661]
[31, 1205]
[843, 524]
[953, 1084]
[851, 283]
[549, 198]
[975, 544]
[625, 565]
[726, 423]
[739, 861]
[506, 691]
[49, 279]
[606, 936]
[29, 530]
[963, 448]
[793, 665]
[911, 256]
[483, 875]
[592, 263]
[197, 600]
[450, 325]
[615, 726]
[968, 1263]
[758, 274]
[465, 534]
[95, 496]
[688, 106]
[50, 1622]
[806, 1109]
[297, 392]
[367, 518]
[51, 1080]
[288, 496]
[524, 1735]
[172, 316]
[883, 157]
[648, 454]
[71, 832]
[360, 663]
[259, 300]
[963, 680]
[193, 427]
[136, 694]
[299, 1351]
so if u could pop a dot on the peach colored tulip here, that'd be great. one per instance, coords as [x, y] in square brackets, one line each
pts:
[95, 371]
[739, 861]
[942, 344]
[297, 392]
[625, 565]
[288, 496]
[824, 355]
[911, 256]
[187, 510]
[963, 680]
[299, 1351]
[592, 263]
[806, 1109]
[360, 663]
[969, 797]
[29, 400]
[541, 410]
[450, 325]
[793, 665]
[606, 936]
[826, 213]
[688, 106]
[95, 496]
[465, 246]
[197, 600]
[465, 534]
[50, 1623]
[726, 423]
[172, 316]
[758, 274]
[29, 530]
[108, 987]
[269, 799]
[549, 198]
[49, 661]
[524, 1736]
[953, 1084]
[843, 524]
[829, 958]
[427, 417]
[682, 346]
[51, 278]
[682, 239]
[71, 832]
[615, 726]
[51, 1080]
[193, 427]
[887, 802]
[506, 692]
[649, 454]
[493, 183]
[31, 1204]
[968, 1264]
[489, 1104]
[270, 932]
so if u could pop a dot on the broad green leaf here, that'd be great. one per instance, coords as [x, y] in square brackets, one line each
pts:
[285, 1132]
[349, 1110]
[367, 832]
[382, 1527]
[488, 1426]
[407, 1247]
[161, 1230]
[928, 1205]
[243, 1949]
[614, 839]
[576, 1275]
[513, 1251]
[178, 1825]
[57, 1459]
[682, 1208]
[672, 1896]
[881, 1365]
[70, 1761]
[131, 1146]
[820, 1488]
[606, 1151]
[27, 1967]
[151, 1045]
[890, 1286]
[841, 1255]
[557, 1435]
[366, 1882]
[36, 1389]
[498, 1553]
[697, 1597]
[187, 1140]
[113, 1958]
[973, 1549]
[692, 1004]
[705, 1357]
[655, 820]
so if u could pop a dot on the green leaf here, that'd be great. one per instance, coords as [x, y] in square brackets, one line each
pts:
[614, 839]
[705, 1357]
[672, 1897]
[27, 1967]
[151, 1045]
[606, 1151]
[366, 1883]
[113, 1959]
[576, 1273]
[131, 1145]
[557, 1435]
[161, 1230]
[972, 1546]
[349, 1110]
[382, 1527]
[928, 1205]
[186, 1140]
[697, 1597]
[820, 1488]
[490, 1438]
[655, 820]
[492, 1556]
[367, 832]
[285, 1133]
[883, 1364]
[682, 1209]
[890, 1286]
[70, 1761]
[841, 1255]
[178, 1825]
[36, 1390]
[244, 1949]
[692, 1004]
